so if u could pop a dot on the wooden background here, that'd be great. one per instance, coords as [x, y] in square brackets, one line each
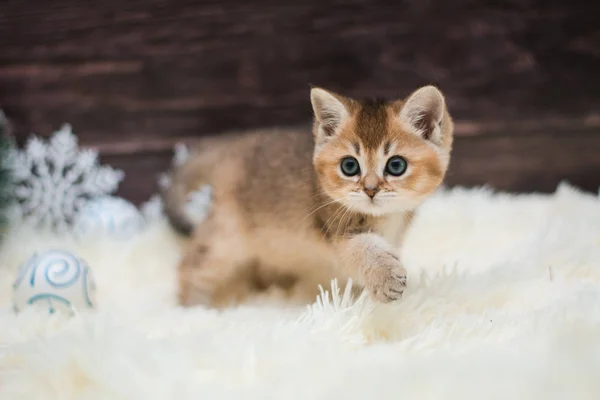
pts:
[134, 77]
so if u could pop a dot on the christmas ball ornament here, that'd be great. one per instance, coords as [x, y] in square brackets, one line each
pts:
[54, 280]
[108, 215]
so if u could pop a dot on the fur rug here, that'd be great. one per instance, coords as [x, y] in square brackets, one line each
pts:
[503, 303]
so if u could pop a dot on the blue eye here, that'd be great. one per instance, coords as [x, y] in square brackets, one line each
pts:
[396, 166]
[350, 166]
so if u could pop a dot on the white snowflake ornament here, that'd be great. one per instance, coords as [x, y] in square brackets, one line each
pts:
[198, 202]
[182, 153]
[180, 156]
[55, 179]
[152, 210]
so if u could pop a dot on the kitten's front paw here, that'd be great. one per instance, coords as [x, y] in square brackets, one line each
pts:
[386, 280]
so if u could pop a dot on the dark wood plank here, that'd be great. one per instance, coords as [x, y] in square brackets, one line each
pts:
[141, 173]
[155, 68]
[527, 162]
[524, 163]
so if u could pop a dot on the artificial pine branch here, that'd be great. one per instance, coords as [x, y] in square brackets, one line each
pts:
[5, 175]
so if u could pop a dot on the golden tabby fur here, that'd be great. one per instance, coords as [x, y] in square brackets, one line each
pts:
[287, 216]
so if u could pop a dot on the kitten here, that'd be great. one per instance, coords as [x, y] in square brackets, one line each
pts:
[291, 210]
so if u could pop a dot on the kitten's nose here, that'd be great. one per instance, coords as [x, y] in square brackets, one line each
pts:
[371, 191]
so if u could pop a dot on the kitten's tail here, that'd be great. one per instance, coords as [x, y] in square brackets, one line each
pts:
[184, 179]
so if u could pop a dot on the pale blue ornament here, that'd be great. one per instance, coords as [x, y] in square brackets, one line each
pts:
[56, 281]
[108, 216]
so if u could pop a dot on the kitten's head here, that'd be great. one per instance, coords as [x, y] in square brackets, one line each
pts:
[376, 156]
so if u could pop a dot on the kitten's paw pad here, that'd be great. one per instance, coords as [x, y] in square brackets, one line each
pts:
[392, 289]
[387, 280]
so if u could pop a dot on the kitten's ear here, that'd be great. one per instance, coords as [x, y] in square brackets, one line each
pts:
[329, 110]
[424, 111]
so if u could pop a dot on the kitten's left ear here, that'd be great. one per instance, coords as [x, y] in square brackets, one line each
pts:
[424, 111]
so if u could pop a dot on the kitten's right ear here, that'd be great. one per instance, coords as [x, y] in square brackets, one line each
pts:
[329, 110]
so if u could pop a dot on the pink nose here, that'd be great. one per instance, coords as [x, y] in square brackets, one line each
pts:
[371, 191]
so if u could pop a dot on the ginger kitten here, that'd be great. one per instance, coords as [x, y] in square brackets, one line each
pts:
[291, 210]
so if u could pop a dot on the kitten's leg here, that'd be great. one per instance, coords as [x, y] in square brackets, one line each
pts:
[212, 269]
[369, 259]
[201, 274]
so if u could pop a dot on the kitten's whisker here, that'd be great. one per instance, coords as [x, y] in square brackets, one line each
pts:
[347, 226]
[321, 205]
[342, 224]
[340, 220]
[333, 218]
[319, 192]
[315, 210]
[352, 210]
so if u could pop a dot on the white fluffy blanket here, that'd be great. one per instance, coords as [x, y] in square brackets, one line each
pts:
[503, 303]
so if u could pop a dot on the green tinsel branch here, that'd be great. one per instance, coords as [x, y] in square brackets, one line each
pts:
[5, 176]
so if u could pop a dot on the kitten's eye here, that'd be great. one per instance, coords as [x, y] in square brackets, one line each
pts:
[396, 166]
[350, 166]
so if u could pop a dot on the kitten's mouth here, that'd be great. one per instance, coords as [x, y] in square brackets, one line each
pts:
[368, 205]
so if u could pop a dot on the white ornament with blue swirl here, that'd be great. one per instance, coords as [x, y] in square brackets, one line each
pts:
[54, 280]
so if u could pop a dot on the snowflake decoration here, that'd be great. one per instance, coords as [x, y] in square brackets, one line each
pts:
[181, 154]
[198, 202]
[153, 208]
[55, 179]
